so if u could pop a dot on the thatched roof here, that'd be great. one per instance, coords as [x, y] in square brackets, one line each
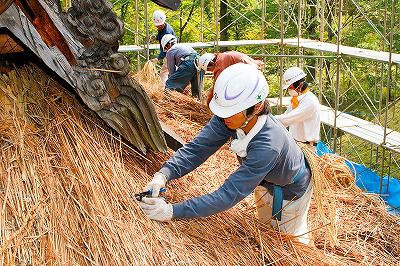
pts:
[66, 186]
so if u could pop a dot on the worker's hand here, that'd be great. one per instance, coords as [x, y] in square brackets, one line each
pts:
[154, 60]
[153, 38]
[159, 180]
[157, 209]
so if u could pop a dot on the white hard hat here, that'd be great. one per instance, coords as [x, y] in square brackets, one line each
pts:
[159, 17]
[166, 39]
[237, 88]
[292, 75]
[204, 60]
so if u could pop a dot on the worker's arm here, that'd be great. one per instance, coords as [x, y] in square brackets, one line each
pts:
[238, 186]
[256, 63]
[162, 54]
[191, 155]
[304, 111]
[171, 61]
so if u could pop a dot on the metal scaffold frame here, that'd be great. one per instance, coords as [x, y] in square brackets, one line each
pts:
[329, 63]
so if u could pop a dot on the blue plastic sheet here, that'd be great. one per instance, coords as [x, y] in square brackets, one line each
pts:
[369, 181]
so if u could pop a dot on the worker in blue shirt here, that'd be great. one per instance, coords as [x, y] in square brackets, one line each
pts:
[181, 64]
[163, 28]
[272, 166]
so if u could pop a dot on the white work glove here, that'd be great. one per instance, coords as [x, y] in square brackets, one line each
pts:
[159, 180]
[157, 209]
[154, 60]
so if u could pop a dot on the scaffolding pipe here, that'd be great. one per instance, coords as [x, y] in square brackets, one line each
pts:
[299, 30]
[321, 11]
[383, 47]
[263, 11]
[279, 107]
[294, 56]
[202, 22]
[263, 31]
[395, 91]
[216, 25]
[389, 83]
[146, 25]
[137, 34]
[337, 91]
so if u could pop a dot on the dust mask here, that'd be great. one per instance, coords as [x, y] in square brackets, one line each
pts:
[293, 93]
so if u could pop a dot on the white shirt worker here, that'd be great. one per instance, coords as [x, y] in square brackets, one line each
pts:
[304, 120]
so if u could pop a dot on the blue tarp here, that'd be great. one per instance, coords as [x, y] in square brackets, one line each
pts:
[369, 181]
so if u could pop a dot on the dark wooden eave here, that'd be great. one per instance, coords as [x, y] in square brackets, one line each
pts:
[4, 4]
[44, 25]
[9, 45]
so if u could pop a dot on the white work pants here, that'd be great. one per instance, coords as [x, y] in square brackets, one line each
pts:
[164, 71]
[294, 214]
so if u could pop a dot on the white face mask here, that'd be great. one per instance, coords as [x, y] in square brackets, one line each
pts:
[293, 93]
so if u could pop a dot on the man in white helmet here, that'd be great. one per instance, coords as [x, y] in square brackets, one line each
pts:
[163, 28]
[181, 65]
[219, 61]
[272, 164]
[303, 115]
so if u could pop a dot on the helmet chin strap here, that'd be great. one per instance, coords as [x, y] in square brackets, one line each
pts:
[299, 87]
[297, 90]
[251, 117]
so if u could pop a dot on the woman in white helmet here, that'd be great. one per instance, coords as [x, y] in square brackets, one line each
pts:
[303, 115]
[163, 28]
[272, 163]
[181, 65]
[219, 61]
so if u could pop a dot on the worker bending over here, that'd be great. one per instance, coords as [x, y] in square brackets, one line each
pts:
[181, 65]
[219, 61]
[163, 28]
[272, 164]
[303, 114]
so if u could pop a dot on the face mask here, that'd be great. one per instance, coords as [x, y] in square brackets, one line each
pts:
[293, 93]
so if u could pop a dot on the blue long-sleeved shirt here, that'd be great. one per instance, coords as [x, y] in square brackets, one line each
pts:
[175, 55]
[272, 155]
[166, 30]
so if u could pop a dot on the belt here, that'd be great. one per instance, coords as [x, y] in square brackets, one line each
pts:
[188, 57]
[312, 143]
[277, 202]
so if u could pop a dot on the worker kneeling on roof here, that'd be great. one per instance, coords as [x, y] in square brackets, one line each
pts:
[302, 116]
[272, 164]
[181, 65]
[219, 61]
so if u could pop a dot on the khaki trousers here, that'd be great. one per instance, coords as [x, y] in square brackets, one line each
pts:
[294, 213]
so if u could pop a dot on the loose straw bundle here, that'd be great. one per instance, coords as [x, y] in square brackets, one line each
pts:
[366, 233]
[336, 171]
[323, 195]
[148, 76]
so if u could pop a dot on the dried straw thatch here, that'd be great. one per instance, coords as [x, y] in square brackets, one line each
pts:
[66, 186]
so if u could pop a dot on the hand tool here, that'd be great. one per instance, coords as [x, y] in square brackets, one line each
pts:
[139, 196]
